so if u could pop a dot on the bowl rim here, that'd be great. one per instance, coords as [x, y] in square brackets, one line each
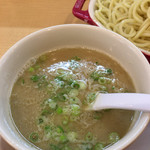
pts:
[146, 116]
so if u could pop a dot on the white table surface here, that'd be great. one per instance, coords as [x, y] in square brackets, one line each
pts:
[142, 142]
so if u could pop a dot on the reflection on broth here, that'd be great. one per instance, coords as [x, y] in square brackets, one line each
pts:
[48, 100]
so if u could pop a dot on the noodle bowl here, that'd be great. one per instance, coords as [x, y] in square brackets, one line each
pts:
[129, 18]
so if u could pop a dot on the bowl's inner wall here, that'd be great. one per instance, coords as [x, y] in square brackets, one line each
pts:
[67, 36]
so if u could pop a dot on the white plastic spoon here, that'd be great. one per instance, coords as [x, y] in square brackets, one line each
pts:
[130, 101]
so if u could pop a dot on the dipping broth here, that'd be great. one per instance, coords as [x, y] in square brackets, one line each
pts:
[48, 100]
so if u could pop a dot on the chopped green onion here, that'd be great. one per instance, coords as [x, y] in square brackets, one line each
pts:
[54, 147]
[37, 66]
[59, 83]
[74, 64]
[59, 78]
[66, 148]
[23, 81]
[95, 75]
[96, 63]
[43, 58]
[47, 129]
[34, 137]
[109, 71]
[45, 112]
[82, 85]
[100, 73]
[66, 76]
[73, 93]
[103, 88]
[86, 146]
[39, 85]
[72, 136]
[75, 100]
[60, 97]
[77, 148]
[75, 109]
[52, 104]
[75, 85]
[66, 110]
[73, 118]
[60, 129]
[65, 120]
[31, 69]
[35, 78]
[59, 110]
[97, 115]
[114, 137]
[44, 77]
[102, 80]
[113, 87]
[126, 91]
[91, 97]
[63, 138]
[89, 136]
[61, 71]
[76, 58]
[99, 146]
[40, 120]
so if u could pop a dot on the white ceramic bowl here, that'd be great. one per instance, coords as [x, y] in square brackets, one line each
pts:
[46, 39]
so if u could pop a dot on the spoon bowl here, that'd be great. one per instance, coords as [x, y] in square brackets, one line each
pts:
[129, 101]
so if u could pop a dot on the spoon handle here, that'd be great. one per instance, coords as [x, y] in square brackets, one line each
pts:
[130, 101]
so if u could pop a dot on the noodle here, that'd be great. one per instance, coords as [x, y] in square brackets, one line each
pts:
[129, 18]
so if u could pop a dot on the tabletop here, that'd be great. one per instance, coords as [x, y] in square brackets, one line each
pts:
[19, 18]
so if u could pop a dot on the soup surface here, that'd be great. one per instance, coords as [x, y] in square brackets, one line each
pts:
[48, 100]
